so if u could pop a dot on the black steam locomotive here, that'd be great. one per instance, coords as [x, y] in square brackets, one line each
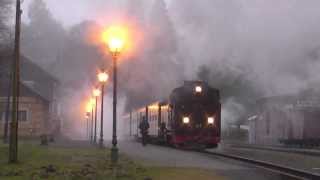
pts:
[191, 117]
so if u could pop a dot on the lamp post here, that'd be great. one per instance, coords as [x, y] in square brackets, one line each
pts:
[96, 94]
[102, 77]
[87, 127]
[92, 103]
[88, 112]
[115, 38]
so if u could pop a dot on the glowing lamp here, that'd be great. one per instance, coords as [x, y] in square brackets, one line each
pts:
[115, 45]
[92, 102]
[186, 120]
[115, 37]
[96, 92]
[210, 120]
[88, 108]
[198, 89]
[103, 77]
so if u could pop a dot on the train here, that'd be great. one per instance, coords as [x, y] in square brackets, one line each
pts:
[191, 117]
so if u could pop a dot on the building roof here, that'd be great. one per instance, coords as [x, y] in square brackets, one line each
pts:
[33, 77]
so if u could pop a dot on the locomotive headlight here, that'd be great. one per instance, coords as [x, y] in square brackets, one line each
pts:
[198, 89]
[185, 120]
[210, 120]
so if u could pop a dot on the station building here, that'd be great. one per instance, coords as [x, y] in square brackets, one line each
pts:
[292, 117]
[38, 103]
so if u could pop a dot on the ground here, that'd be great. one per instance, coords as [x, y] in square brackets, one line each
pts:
[159, 156]
[78, 160]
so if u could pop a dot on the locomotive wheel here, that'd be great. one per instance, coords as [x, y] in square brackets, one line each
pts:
[178, 146]
[210, 146]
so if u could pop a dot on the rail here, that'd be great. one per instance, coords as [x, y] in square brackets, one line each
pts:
[284, 170]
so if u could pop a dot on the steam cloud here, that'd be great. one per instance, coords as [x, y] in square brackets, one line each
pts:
[247, 49]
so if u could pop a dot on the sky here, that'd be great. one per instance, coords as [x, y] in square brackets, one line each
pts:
[71, 12]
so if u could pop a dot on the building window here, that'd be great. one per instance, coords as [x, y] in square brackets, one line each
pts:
[22, 115]
[2, 115]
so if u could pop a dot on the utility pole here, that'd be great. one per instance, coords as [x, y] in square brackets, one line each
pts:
[13, 146]
[6, 124]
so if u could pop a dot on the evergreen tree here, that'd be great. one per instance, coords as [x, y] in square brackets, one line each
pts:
[162, 29]
[5, 11]
[42, 39]
[79, 55]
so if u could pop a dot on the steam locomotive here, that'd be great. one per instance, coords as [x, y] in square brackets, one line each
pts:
[191, 117]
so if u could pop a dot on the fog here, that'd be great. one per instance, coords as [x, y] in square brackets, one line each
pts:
[252, 48]
[247, 49]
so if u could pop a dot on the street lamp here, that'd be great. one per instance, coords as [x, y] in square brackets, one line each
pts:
[103, 78]
[96, 94]
[115, 38]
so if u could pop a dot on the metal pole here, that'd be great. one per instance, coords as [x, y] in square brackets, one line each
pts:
[91, 127]
[159, 119]
[130, 131]
[13, 147]
[114, 149]
[89, 135]
[87, 131]
[88, 127]
[101, 120]
[95, 122]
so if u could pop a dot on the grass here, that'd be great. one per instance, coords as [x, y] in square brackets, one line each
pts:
[167, 173]
[88, 163]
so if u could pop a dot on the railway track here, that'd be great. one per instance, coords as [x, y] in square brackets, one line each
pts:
[280, 169]
[278, 149]
[283, 170]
